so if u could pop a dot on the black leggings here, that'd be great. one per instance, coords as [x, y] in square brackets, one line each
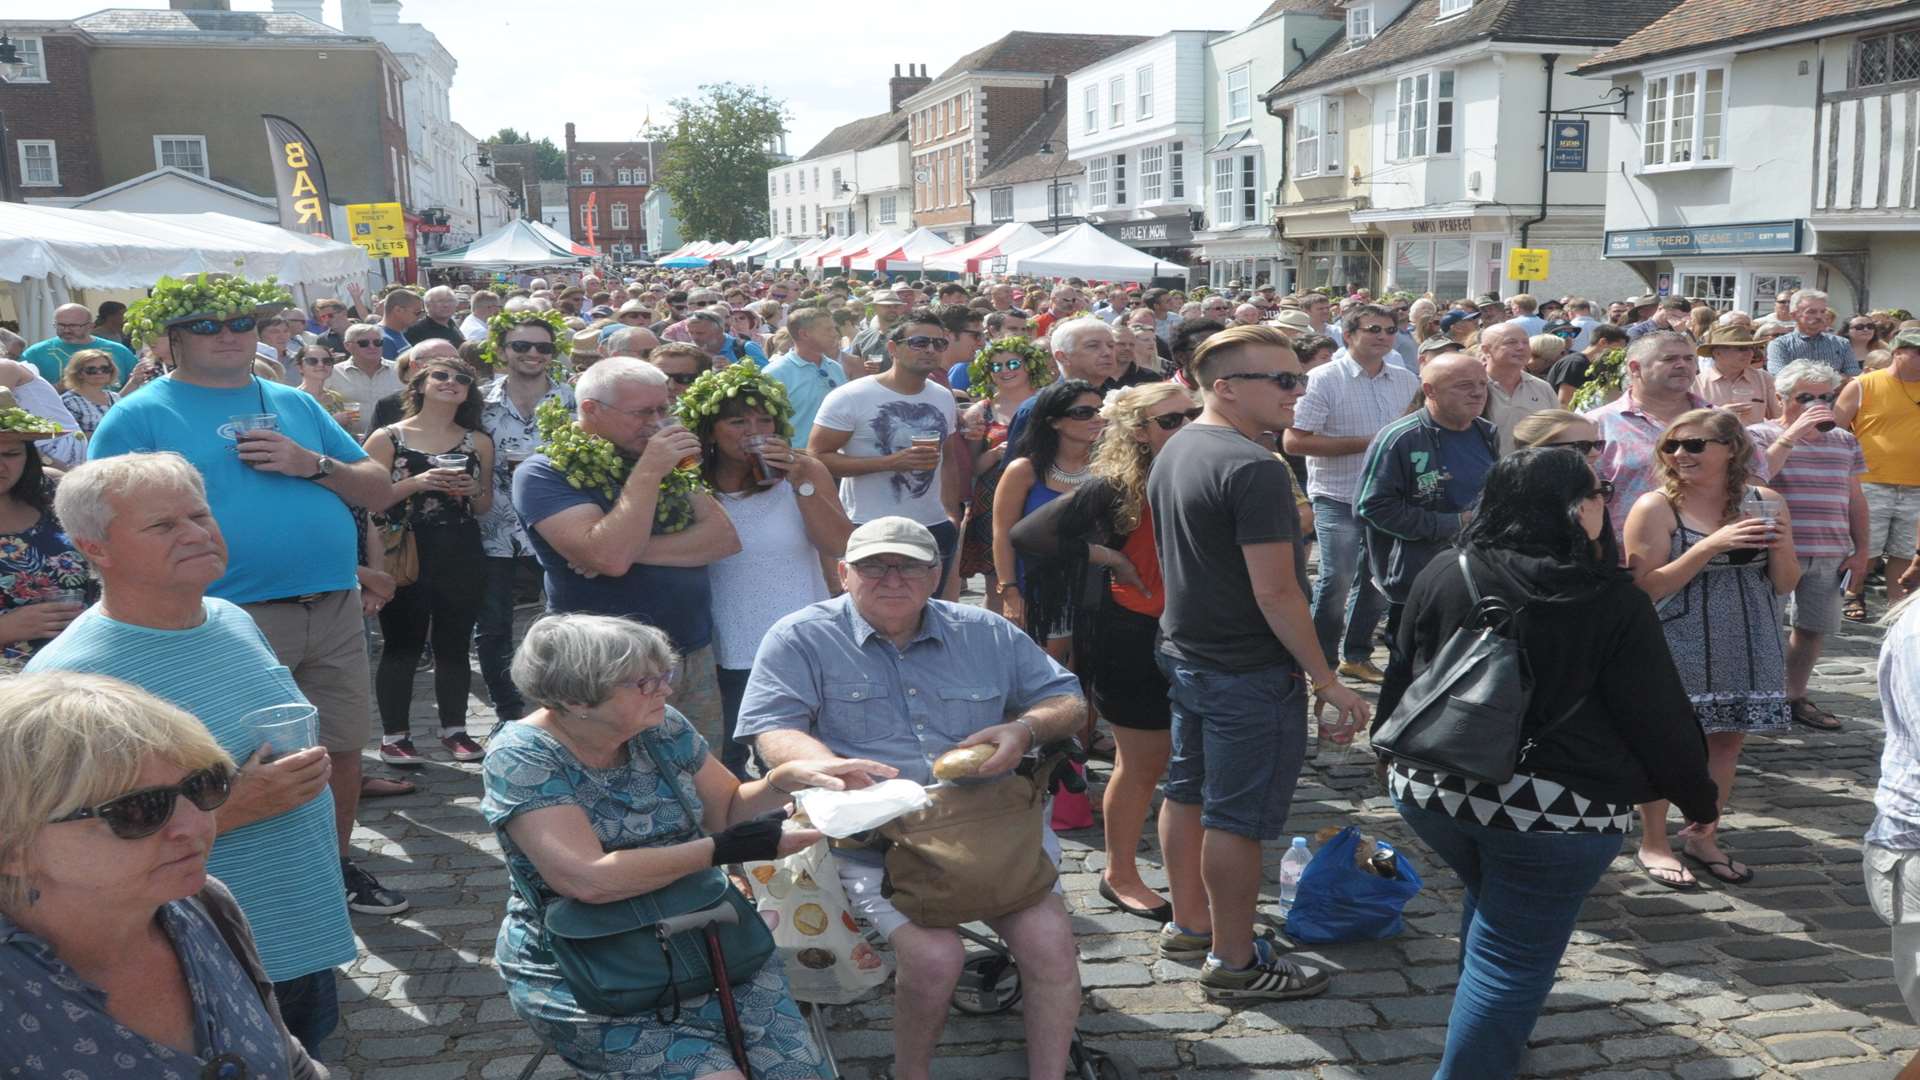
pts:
[447, 596]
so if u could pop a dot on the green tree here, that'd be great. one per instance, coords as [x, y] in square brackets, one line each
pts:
[553, 163]
[715, 160]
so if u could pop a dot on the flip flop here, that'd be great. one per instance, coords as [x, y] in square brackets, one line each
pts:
[1709, 868]
[1807, 714]
[1855, 609]
[1653, 874]
[379, 787]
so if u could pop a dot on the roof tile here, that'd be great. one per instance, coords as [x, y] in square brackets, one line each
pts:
[228, 23]
[1022, 161]
[862, 134]
[1698, 23]
[1050, 54]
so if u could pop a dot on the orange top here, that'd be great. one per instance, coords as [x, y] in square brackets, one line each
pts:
[1888, 427]
[1140, 551]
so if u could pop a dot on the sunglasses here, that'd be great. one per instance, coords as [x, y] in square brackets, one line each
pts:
[1691, 446]
[1585, 446]
[145, 812]
[442, 375]
[997, 366]
[1285, 380]
[72, 325]
[926, 343]
[96, 370]
[1857, 327]
[239, 324]
[1081, 412]
[365, 343]
[656, 684]
[684, 378]
[1808, 399]
[1173, 420]
[1375, 329]
[544, 348]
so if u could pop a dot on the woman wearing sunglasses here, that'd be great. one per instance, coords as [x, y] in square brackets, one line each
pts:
[1864, 334]
[1093, 554]
[1715, 552]
[440, 500]
[84, 384]
[314, 365]
[1050, 459]
[1564, 430]
[1005, 374]
[112, 936]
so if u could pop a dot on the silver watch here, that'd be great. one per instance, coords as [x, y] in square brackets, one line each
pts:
[805, 489]
[324, 467]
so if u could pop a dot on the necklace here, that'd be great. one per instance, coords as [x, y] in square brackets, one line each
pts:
[1062, 478]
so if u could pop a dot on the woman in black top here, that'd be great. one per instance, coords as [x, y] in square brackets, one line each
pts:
[1530, 850]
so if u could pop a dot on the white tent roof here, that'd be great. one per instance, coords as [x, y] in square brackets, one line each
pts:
[555, 236]
[1085, 251]
[733, 249]
[974, 256]
[882, 241]
[905, 255]
[776, 248]
[758, 247]
[791, 260]
[829, 255]
[518, 243]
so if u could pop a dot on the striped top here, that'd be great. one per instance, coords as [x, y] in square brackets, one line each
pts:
[285, 870]
[1816, 482]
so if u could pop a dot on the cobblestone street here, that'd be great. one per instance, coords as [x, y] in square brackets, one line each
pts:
[1787, 976]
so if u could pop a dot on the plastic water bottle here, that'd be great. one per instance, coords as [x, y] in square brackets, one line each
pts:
[1292, 865]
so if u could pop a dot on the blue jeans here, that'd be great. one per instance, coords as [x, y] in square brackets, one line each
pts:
[1523, 897]
[733, 689]
[493, 633]
[1239, 741]
[1343, 595]
[310, 1004]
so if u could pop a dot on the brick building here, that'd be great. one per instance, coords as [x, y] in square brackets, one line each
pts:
[973, 112]
[49, 109]
[617, 176]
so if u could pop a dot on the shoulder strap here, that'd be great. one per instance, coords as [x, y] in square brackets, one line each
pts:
[1466, 573]
[667, 772]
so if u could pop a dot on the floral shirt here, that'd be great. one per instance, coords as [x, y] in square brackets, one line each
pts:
[501, 534]
[34, 565]
[85, 412]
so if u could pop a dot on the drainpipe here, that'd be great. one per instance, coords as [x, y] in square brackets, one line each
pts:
[1546, 157]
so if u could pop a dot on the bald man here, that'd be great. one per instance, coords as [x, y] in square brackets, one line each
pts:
[436, 321]
[72, 332]
[1422, 475]
[1248, 315]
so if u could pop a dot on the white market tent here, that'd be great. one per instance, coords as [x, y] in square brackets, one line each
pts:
[519, 243]
[778, 247]
[792, 259]
[555, 236]
[758, 247]
[977, 255]
[1085, 251]
[830, 254]
[880, 241]
[733, 250]
[905, 255]
[49, 253]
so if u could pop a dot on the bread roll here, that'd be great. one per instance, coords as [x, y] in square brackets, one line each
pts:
[961, 763]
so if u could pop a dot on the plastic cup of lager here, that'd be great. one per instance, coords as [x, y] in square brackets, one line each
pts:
[283, 729]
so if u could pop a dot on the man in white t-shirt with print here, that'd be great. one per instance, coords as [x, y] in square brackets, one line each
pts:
[883, 437]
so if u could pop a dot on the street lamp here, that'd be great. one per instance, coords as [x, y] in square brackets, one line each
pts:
[1053, 187]
[486, 162]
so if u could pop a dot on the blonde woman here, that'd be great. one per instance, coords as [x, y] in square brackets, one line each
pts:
[1546, 349]
[83, 387]
[1092, 554]
[1715, 552]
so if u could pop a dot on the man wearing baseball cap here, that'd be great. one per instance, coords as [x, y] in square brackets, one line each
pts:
[1460, 325]
[887, 673]
[871, 341]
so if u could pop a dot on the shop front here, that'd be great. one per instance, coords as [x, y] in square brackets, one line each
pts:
[1328, 250]
[1739, 267]
[1447, 258]
[1168, 237]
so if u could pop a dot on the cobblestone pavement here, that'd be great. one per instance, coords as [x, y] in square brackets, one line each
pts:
[1787, 976]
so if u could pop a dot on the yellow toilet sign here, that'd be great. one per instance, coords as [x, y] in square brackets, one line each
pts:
[1523, 264]
[380, 228]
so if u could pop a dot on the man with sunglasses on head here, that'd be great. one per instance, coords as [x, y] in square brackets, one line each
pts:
[73, 331]
[364, 376]
[1352, 397]
[884, 437]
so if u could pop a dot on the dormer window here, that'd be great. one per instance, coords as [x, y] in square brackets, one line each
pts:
[1454, 7]
[1359, 25]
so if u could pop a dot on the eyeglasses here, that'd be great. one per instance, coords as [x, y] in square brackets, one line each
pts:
[1375, 329]
[97, 370]
[656, 412]
[1602, 489]
[442, 375]
[1856, 327]
[239, 324]
[683, 378]
[926, 343]
[656, 684]
[874, 570]
[544, 348]
[1285, 380]
[145, 812]
[1171, 421]
[72, 325]
[1691, 446]
[365, 343]
[1808, 399]
[997, 366]
[1585, 446]
[1081, 412]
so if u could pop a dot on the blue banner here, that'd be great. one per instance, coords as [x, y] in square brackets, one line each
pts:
[1569, 146]
[1758, 238]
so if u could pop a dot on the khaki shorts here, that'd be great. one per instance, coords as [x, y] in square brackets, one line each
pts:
[698, 696]
[324, 644]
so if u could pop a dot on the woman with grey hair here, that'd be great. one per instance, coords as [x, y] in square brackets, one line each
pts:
[112, 936]
[604, 792]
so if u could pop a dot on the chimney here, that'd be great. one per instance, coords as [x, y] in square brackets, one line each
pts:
[312, 9]
[569, 134]
[902, 87]
[385, 12]
[200, 5]
[356, 17]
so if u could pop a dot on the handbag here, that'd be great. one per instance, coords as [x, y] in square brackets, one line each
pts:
[400, 552]
[618, 958]
[1463, 714]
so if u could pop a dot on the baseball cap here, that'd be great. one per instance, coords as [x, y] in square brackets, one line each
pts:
[1439, 343]
[1454, 318]
[893, 536]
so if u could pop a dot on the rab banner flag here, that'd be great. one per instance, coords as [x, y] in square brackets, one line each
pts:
[302, 183]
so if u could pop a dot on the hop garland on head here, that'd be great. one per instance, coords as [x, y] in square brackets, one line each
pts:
[589, 461]
[1603, 377]
[1039, 363]
[699, 407]
[20, 420]
[217, 295]
[504, 323]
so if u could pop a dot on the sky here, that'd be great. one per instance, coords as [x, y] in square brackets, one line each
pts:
[605, 64]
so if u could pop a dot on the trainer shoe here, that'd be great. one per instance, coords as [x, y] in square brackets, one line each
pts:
[401, 753]
[462, 747]
[1270, 978]
[1178, 944]
[1362, 670]
[367, 896]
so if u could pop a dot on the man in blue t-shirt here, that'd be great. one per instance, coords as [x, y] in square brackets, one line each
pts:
[266, 486]
[73, 332]
[615, 556]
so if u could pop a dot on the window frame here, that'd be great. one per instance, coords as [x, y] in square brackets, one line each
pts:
[1223, 193]
[590, 216]
[206, 159]
[886, 209]
[1000, 205]
[1911, 30]
[617, 216]
[40, 57]
[1117, 185]
[1090, 108]
[1177, 171]
[1248, 170]
[1414, 125]
[1361, 16]
[1143, 92]
[623, 176]
[53, 161]
[1227, 91]
[1310, 116]
[1697, 121]
[1097, 183]
[1723, 304]
[585, 176]
[1058, 207]
[1450, 8]
[1152, 163]
[1116, 101]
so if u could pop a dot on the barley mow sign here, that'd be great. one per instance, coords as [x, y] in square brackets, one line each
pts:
[1166, 232]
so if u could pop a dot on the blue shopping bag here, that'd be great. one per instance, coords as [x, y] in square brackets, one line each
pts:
[1338, 901]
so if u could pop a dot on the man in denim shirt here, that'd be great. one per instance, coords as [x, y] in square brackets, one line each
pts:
[887, 673]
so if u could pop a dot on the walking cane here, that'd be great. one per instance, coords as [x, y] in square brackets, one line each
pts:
[736, 1038]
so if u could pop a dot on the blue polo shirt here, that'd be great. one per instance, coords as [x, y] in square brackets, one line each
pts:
[392, 343]
[807, 384]
[261, 513]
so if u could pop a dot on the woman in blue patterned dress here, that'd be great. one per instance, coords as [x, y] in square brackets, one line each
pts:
[42, 574]
[120, 959]
[582, 812]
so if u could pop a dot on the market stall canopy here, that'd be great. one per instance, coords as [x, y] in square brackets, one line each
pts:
[976, 256]
[1085, 251]
[837, 246]
[758, 247]
[905, 255]
[515, 244]
[792, 259]
[883, 240]
[778, 248]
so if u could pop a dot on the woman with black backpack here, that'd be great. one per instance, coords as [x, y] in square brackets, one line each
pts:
[1607, 726]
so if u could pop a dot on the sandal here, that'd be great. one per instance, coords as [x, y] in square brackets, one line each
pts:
[1854, 609]
[1745, 875]
[1653, 874]
[1807, 714]
[379, 787]
[1103, 748]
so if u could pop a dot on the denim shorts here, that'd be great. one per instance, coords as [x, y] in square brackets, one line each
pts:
[1239, 741]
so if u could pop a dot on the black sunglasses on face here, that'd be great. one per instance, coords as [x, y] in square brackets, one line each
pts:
[1081, 412]
[1585, 446]
[1285, 380]
[239, 324]
[1808, 399]
[96, 370]
[1173, 420]
[926, 342]
[1691, 446]
[145, 812]
[442, 375]
[1375, 329]
[684, 378]
[365, 343]
[544, 348]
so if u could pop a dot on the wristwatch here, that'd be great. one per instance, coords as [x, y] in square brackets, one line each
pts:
[325, 467]
[805, 489]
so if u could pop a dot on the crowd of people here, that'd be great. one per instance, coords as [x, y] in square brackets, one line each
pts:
[752, 501]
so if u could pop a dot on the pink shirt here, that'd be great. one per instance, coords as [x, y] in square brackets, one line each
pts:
[1748, 395]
